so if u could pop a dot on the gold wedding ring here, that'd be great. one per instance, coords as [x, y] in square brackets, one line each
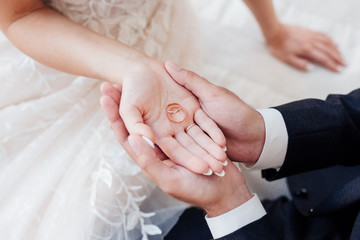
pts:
[190, 126]
[175, 112]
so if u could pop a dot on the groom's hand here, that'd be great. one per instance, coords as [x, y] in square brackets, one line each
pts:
[214, 194]
[242, 126]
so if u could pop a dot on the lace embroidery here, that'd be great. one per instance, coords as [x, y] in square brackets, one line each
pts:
[142, 24]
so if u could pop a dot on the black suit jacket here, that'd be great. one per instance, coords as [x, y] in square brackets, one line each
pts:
[322, 164]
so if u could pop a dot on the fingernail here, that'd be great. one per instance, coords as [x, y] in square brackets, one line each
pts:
[134, 146]
[174, 66]
[149, 142]
[224, 149]
[220, 174]
[310, 67]
[208, 173]
[225, 163]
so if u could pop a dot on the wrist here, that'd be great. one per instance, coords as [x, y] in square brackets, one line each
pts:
[255, 139]
[230, 202]
[119, 66]
[245, 141]
[259, 140]
[272, 31]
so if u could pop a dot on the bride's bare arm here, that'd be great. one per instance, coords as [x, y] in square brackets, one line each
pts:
[54, 40]
[292, 44]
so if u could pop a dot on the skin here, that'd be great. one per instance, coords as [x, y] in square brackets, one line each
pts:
[52, 39]
[243, 127]
[296, 46]
[207, 192]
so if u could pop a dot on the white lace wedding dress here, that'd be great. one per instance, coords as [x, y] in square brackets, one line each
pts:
[62, 173]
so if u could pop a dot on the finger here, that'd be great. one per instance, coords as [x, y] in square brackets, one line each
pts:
[207, 143]
[211, 128]
[181, 156]
[322, 58]
[134, 123]
[199, 86]
[145, 157]
[326, 40]
[299, 63]
[108, 89]
[118, 87]
[332, 52]
[189, 144]
[110, 109]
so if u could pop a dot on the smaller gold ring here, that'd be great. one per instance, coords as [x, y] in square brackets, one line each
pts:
[190, 126]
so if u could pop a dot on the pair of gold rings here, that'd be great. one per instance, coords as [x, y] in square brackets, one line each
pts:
[177, 114]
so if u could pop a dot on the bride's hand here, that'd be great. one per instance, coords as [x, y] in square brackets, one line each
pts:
[299, 47]
[144, 96]
[215, 195]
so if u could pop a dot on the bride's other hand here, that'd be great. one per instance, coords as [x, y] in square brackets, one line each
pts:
[300, 47]
[294, 45]
[144, 96]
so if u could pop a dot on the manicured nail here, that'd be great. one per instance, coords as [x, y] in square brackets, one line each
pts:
[210, 172]
[149, 142]
[220, 174]
[174, 66]
[225, 163]
[310, 67]
[224, 149]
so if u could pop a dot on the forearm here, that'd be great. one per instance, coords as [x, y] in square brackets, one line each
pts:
[263, 11]
[55, 41]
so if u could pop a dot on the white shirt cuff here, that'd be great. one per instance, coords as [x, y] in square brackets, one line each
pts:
[276, 140]
[237, 218]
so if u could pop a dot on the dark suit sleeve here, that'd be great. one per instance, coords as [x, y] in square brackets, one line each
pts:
[321, 134]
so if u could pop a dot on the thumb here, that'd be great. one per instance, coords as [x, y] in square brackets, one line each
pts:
[300, 63]
[134, 123]
[145, 157]
[199, 86]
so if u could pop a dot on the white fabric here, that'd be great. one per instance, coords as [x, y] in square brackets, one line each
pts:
[230, 51]
[239, 217]
[62, 174]
[276, 139]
